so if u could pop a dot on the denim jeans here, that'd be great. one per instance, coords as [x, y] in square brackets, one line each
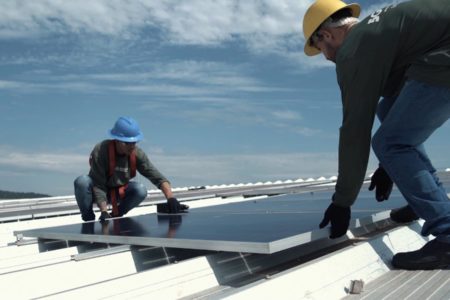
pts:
[406, 123]
[134, 195]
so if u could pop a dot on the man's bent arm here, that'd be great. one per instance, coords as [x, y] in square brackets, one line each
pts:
[166, 189]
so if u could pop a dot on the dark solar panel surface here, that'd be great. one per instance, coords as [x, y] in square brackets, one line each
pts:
[250, 226]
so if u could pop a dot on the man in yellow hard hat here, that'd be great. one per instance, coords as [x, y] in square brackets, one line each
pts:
[400, 53]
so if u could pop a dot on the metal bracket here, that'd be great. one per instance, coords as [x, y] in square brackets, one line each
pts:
[356, 286]
[102, 252]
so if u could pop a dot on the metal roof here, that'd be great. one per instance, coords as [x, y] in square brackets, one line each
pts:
[321, 269]
[403, 284]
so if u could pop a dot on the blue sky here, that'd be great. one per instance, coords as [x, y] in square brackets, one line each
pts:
[221, 90]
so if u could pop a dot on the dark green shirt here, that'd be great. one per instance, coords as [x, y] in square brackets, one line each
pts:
[410, 40]
[121, 176]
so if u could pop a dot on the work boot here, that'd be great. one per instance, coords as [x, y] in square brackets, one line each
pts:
[403, 214]
[433, 255]
[88, 216]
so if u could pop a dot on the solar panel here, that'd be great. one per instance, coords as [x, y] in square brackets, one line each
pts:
[259, 226]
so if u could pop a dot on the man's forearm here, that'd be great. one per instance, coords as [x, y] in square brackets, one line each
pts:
[100, 197]
[166, 189]
[103, 206]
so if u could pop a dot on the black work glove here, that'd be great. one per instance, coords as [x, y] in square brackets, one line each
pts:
[339, 218]
[382, 184]
[175, 206]
[104, 216]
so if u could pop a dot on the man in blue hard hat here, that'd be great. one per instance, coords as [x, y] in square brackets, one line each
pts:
[400, 53]
[113, 164]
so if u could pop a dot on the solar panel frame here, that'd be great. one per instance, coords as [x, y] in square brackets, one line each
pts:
[261, 226]
[195, 230]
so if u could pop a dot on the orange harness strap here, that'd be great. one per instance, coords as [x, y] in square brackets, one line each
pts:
[112, 166]
[132, 164]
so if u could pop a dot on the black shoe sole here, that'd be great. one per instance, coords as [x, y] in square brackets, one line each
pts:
[403, 215]
[421, 266]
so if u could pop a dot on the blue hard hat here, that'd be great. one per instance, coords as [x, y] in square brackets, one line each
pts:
[126, 129]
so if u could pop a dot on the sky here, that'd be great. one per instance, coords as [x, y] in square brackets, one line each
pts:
[221, 90]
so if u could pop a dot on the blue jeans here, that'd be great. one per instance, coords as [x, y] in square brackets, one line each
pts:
[134, 195]
[406, 123]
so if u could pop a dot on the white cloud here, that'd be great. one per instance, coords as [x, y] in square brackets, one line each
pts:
[205, 22]
[194, 21]
[189, 79]
[27, 87]
[21, 86]
[242, 168]
[264, 25]
[182, 170]
[244, 112]
[306, 131]
[54, 162]
[195, 169]
[286, 115]
[300, 130]
[5, 84]
[29, 18]
[207, 72]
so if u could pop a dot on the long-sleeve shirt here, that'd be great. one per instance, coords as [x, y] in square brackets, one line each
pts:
[410, 40]
[100, 170]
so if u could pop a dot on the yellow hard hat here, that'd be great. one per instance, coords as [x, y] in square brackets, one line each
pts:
[317, 13]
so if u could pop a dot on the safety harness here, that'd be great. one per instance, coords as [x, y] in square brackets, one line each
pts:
[118, 191]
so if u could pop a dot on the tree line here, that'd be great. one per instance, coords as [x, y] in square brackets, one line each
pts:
[20, 195]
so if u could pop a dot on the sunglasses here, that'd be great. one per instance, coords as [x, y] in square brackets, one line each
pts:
[128, 143]
[315, 37]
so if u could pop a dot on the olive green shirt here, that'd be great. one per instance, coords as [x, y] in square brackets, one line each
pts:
[410, 40]
[100, 170]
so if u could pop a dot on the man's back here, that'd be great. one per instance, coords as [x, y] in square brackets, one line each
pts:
[410, 38]
[376, 55]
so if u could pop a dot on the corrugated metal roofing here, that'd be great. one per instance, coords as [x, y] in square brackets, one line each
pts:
[402, 284]
[319, 270]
